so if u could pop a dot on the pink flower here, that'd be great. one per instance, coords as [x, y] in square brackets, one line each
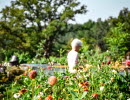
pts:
[127, 62]
[33, 74]
[52, 80]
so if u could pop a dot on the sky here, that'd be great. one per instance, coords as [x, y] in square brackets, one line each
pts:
[96, 9]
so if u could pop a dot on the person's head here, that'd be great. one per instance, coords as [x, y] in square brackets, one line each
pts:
[76, 44]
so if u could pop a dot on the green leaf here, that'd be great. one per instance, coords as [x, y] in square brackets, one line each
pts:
[74, 94]
[84, 94]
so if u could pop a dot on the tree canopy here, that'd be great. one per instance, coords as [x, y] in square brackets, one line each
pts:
[31, 21]
[42, 26]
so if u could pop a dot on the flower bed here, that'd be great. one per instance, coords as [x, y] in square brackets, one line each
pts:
[98, 82]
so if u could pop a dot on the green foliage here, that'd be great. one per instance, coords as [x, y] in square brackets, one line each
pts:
[59, 60]
[41, 60]
[41, 26]
[91, 32]
[85, 46]
[118, 41]
[102, 80]
[24, 57]
[28, 22]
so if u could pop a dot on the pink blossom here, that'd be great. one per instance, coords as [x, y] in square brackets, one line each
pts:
[33, 74]
[127, 62]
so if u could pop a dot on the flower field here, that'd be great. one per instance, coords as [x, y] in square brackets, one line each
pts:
[41, 38]
[100, 80]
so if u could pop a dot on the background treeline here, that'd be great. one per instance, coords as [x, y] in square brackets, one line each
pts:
[34, 27]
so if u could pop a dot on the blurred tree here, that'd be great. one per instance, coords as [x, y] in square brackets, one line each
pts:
[99, 31]
[123, 17]
[91, 32]
[118, 41]
[34, 20]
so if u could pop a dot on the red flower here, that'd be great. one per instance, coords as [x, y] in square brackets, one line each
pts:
[85, 89]
[108, 62]
[103, 63]
[33, 74]
[85, 84]
[1, 96]
[127, 62]
[23, 91]
[52, 80]
[60, 99]
[49, 67]
[95, 95]
[49, 97]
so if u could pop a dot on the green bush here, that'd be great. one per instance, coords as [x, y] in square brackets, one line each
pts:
[118, 41]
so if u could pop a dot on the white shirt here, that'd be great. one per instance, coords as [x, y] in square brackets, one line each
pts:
[72, 59]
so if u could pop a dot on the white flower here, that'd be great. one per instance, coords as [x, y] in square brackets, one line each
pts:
[128, 99]
[38, 96]
[6, 64]
[80, 84]
[33, 61]
[26, 79]
[101, 88]
[80, 71]
[40, 93]
[71, 83]
[1, 69]
[16, 95]
[114, 71]
[80, 76]
[112, 79]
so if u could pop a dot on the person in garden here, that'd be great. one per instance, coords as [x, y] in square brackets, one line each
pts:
[14, 61]
[72, 56]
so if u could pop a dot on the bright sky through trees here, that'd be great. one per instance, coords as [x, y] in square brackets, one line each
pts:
[96, 9]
